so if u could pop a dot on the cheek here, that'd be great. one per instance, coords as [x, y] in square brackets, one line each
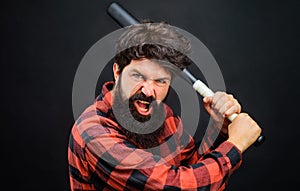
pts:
[162, 93]
[127, 88]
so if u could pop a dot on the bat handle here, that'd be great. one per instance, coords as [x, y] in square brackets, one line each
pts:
[203, 90]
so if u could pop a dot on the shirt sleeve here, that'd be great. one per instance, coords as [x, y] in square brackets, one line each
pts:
[211, 140]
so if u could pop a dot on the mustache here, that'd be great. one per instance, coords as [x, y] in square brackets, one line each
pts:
[142, 96]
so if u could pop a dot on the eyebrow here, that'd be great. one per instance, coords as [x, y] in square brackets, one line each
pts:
[160, 78]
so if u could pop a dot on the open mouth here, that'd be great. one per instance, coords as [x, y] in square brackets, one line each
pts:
[143, 107]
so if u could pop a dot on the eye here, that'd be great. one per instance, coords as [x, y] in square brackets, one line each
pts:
[162, 82]
[137, 76]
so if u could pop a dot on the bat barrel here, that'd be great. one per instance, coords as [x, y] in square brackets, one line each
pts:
[121, 15]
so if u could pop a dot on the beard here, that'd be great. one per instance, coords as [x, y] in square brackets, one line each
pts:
[143, 130]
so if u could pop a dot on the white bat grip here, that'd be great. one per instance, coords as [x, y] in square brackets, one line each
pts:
[203, 90]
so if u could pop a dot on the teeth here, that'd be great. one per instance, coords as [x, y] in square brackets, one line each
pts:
[142, 107]
[144, 102]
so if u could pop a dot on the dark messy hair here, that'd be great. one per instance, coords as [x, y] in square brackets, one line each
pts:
[159, 41]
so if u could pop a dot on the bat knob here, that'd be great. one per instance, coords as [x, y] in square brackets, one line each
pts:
[259, 141]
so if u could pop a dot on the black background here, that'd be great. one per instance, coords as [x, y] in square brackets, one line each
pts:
[254, 42]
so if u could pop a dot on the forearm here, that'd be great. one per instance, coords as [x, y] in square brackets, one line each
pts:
[213, 137]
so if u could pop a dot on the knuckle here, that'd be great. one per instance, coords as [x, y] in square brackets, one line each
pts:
[230, 96]
[244, 115]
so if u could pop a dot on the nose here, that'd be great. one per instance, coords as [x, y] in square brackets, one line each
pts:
[148, 88]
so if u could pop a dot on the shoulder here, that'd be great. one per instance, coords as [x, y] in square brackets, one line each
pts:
[91, 124]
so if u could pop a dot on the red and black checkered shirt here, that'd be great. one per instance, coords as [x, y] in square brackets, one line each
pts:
[101, 157]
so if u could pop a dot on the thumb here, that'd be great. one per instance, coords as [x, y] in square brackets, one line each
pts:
[207, 100]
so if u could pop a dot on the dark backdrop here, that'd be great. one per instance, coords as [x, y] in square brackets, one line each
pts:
[254, 42]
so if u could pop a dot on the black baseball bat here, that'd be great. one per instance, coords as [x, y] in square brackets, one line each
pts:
[124, 18]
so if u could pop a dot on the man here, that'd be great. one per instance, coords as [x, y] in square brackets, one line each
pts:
[130, 140]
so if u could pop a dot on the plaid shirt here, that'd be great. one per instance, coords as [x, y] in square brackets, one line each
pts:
[102, 158]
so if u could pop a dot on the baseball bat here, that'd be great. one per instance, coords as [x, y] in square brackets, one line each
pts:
[124, 18]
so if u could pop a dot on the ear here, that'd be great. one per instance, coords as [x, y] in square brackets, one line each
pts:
[116, 71]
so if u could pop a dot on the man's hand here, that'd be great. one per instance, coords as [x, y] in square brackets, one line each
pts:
[220, 106]
[243, 131]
